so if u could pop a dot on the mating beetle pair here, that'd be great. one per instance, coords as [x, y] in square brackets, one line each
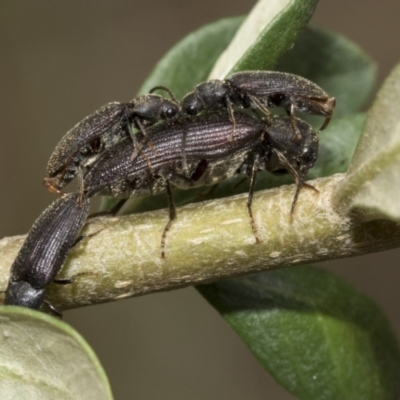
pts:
[257, 90]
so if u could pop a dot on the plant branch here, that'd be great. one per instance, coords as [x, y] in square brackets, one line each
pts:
[207, 242]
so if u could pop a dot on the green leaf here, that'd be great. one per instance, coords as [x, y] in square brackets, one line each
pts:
[337, 145]
[268, 32]
[190, 61]
[372, 183]
[336, 64]
[43, 358]
[313, 332]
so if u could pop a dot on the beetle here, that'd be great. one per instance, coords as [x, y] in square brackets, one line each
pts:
[211, 158]
[259, 90]
[101, 130]
[213, 154]
[45, 249]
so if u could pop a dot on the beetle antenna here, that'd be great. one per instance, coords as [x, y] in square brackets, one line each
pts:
[165, 89]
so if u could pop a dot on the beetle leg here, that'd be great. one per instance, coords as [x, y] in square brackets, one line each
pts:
[137, 147]
[182, 181]
[297, 178]
[231, 117]
[53, 309]
[253, 174]
[294, 124]
[136, 144]
[81, 186]
[184, 135]
[172, 217]
[326, 122]
[68, 281]
[257, 104]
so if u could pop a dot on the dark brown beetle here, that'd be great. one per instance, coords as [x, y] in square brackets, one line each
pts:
[45, 249]
[100, 131]
[259, 90]
[211, 158]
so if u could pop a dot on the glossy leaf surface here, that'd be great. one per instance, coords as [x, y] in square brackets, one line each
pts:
[335, 63]
[313, 332]
[43, 358]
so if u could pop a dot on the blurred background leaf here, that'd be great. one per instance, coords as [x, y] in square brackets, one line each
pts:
[335, 63]
[318, 336]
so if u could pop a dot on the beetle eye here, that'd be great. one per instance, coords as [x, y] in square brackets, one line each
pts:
[191, 104]
[307, 154]
[192, 110]
[170, 112]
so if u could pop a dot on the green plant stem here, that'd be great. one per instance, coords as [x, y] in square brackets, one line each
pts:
[207, 242]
